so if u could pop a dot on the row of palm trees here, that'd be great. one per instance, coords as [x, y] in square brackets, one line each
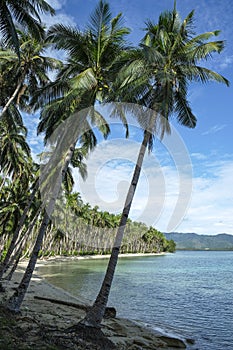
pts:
[86, 231]
[76, 229]
[79, 229]
[150, 81]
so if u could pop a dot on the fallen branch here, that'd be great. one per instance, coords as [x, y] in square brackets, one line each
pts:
[110, 312]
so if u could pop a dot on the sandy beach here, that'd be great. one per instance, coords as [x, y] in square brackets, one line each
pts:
[126, 334]
[88, 257]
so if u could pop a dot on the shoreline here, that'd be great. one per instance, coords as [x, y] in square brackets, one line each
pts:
[121, 331]
[60, 258]
[124, 333]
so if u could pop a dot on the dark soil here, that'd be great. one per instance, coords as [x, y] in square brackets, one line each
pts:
[25, 333]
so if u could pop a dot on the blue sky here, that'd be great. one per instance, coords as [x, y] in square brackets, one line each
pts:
[209, 145]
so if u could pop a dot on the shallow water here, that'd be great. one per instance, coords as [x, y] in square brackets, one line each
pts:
[188, 293]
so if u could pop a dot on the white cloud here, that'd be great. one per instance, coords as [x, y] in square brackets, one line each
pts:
[211, 207]
[160, 187]
[198, 156]
[226, 62]
[57, 4]
[62, 18]
[214, 129]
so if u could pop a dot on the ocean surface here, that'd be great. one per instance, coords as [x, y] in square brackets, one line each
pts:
[186, 293]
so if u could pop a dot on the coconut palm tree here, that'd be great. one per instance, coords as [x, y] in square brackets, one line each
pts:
[18, 168]
[79, 85]
[20, 223]
[14, 150]
[29, 73]
[82, 82]
[156, 76]
[25, 13]
[88, 72]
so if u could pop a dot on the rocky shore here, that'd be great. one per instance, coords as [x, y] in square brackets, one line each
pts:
[43, 324]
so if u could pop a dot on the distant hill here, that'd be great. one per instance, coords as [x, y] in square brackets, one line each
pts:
[193, 241]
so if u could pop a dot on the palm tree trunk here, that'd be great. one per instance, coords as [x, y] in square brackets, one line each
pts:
[14, 95]
[4, 265]
[22, 241]
[15, 301]
[95, 315]
[14, 267]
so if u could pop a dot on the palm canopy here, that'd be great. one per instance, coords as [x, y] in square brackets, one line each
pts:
[25, 13]
[158, 73]
[15, 154]
[20, 79]
[88, 72]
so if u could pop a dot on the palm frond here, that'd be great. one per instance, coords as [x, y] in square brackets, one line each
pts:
[203, 75]
[98, 120]
[186, 29]
[205, 51]
[183, 111]
[7, 28]
[43, 6]
[100, 18]
[84, 81]
[77, 161]
[68, 180]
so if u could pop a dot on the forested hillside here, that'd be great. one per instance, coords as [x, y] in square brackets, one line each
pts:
[193, 241]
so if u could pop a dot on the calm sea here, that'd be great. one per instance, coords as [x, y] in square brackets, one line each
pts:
[186, 293]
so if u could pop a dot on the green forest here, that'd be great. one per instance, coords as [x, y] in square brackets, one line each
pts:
[100, 67]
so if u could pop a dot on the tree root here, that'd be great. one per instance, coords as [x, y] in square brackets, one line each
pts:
[92, 335]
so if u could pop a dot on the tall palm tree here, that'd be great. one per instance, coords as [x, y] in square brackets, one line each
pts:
[88, 73]
[25, 13]
[29, 73]
[79, 85]
[156, 76]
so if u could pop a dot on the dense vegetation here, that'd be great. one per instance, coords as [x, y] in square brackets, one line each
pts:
[90, 231]
[99, 67]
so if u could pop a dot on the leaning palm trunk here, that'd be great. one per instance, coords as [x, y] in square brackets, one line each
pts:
[95, 315]
[14, 95]
[15, 301]
[16, 261]
[21, 244]
[5, 263]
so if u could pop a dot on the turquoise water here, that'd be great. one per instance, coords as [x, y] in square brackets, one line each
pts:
[189, 293]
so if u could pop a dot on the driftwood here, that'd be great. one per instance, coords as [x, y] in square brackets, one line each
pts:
[110, 312]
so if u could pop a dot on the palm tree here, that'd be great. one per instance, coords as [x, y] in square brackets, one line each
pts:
[82, 82]
[156, 76]
[79, 85]
[29, 73]
[13, 202]
[88, 73]
[14, 150]
[25, 13]
[17, 230]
